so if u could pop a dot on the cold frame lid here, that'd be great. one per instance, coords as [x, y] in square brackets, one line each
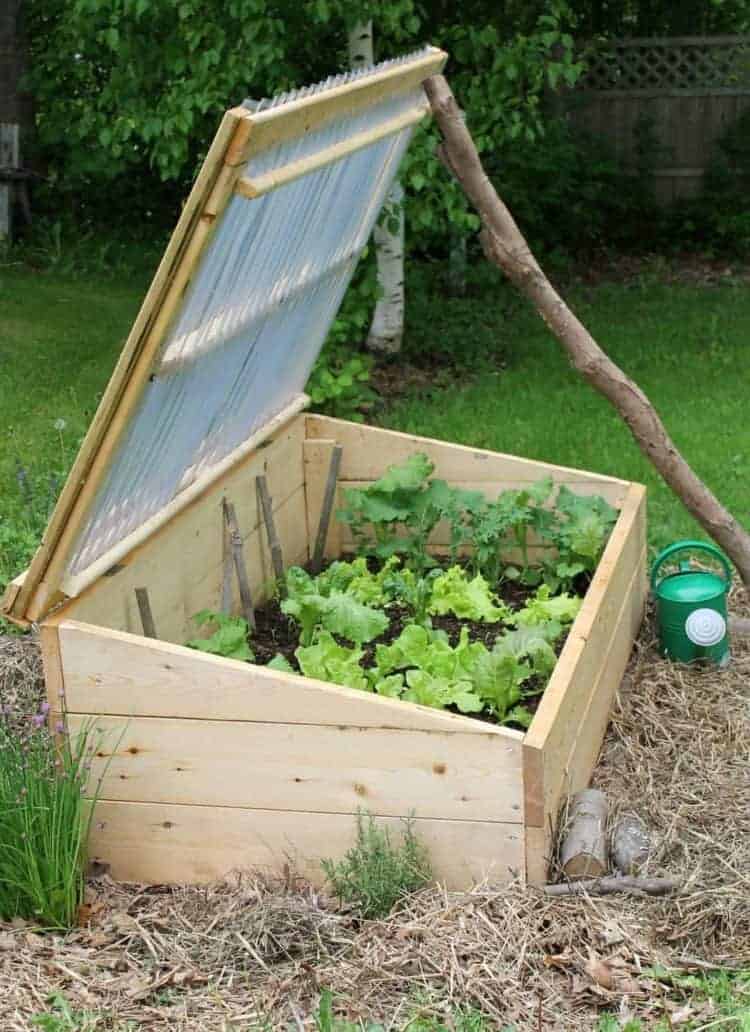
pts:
[236, 315]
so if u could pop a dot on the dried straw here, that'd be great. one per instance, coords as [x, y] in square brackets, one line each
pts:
[234, 955]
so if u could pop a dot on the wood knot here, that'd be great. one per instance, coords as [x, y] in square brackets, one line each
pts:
[438, 768]
[360, 789]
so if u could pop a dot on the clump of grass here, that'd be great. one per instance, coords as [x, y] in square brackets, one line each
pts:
[376, 873]
[44, 818]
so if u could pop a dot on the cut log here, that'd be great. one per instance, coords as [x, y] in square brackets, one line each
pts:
[631, 844]
[584, 849]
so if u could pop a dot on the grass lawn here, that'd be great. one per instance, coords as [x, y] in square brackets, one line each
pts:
[686, 346]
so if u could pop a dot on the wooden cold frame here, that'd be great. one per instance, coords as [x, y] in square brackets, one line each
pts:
[219, 764]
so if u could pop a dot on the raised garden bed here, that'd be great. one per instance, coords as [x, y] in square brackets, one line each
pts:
[226, 764]
[217, 763]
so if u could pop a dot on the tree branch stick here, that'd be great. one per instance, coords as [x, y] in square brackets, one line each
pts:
[240, 569]
[277, 556]
[505, 246]
[144, 608]
[607, 886]
[326, 508]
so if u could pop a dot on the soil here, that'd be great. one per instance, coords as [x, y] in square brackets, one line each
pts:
[276, 633]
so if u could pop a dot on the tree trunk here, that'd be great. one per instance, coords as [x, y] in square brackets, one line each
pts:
[505, 246]
[387, 327]
[16, 109]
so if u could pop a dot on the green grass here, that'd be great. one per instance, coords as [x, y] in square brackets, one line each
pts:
[687, 347]
[59, 339]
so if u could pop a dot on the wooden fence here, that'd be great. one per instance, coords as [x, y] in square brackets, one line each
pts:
[682, 92]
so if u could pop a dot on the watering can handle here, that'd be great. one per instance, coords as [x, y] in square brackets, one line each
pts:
[682, 546]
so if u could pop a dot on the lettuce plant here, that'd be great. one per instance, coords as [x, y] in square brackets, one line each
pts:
[469, 599]
[229, 639]
[544, 607]
[326, 660]
[338, 612]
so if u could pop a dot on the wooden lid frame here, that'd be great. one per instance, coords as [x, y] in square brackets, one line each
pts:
[241, 135]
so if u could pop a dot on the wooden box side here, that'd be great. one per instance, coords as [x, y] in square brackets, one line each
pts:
[276, 764]
[563, 742]
[184, 563]
[368, 451]
[166, 843]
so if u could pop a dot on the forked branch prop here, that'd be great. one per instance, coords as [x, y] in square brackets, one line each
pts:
[505, 246]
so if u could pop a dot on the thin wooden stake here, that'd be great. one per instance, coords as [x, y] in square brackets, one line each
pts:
[227, 561]
[327, 508]
[277, 556]
[144, 608]
[246, 598]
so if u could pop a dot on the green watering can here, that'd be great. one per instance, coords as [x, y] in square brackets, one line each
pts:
[691, 604]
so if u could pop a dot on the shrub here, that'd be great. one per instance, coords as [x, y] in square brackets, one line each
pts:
[375, 874]
[44, 819]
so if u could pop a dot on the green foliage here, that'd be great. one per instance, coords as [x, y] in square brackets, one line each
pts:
[401, 509]
[579, 532]
[44, 819]
[375, 874]
[398, 512]
[469, 599]
[326, 660]
[228, 640]
[467, 676]
[544, 607]
[339, 383]
[312, 603]
[61, 1017]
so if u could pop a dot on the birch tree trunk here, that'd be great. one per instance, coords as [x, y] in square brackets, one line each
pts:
[505, 246]
[387, 327]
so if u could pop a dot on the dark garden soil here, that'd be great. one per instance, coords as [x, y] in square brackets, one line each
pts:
[276, 633]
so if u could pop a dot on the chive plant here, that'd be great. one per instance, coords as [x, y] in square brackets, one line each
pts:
[45, 818]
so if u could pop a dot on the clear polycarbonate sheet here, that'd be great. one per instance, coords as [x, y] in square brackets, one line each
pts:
[243, 343]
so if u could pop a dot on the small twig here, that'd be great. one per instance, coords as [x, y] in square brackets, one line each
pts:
[277, 557]
[230, 516]
[327, 508]
[606, 886]
[144, 608]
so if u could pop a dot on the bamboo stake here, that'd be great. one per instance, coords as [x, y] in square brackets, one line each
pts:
[144, 608]
[230, 516]
[277, 557]
[327, 508]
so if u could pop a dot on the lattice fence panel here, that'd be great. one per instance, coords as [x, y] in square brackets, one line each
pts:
[697, 63]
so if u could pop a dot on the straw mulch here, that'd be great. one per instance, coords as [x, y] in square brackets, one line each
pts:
[249, 953]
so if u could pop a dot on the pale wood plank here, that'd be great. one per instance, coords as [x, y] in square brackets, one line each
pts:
[576, 675]
[160, 842]
[255, 186]
[114, 673]
[129, 375]
[368, 451]
[181, 563]
[49, 644]
[585, 748]
[296, 119]
[325, 769]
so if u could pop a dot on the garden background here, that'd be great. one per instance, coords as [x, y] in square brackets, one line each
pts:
[118, 101]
